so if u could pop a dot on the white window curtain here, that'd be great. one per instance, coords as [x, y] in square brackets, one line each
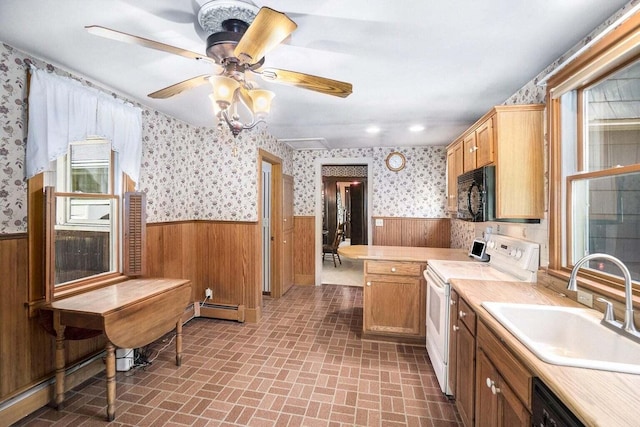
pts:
[62, 110]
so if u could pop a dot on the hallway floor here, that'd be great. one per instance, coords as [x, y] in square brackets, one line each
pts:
[350, 272]
[302, 365]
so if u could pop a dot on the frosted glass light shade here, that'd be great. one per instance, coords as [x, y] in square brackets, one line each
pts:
[223, 89]
[214, 103]
[261, 101]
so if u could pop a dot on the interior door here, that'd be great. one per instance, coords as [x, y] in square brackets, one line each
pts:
[358, 214]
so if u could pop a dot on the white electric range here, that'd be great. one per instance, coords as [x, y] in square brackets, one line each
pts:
[510, 259]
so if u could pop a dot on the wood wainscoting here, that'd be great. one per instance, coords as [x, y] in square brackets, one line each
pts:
[304, 266]
[417, 232]
[27, 349]
[220, 255]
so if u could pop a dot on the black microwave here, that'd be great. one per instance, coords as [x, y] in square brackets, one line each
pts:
[476, 195]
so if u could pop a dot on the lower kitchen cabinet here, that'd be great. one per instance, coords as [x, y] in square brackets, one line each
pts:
[394, 301]
[465, 362]
[492, 388]
[503, 385]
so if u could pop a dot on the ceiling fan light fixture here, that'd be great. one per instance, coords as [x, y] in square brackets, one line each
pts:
[261, 101]
[224, 89]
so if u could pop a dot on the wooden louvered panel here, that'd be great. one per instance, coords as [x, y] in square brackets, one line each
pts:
[49, 241]
[134, 234]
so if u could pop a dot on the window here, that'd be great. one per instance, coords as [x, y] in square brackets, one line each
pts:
[86, 212]
[83, 223]
[595, 158]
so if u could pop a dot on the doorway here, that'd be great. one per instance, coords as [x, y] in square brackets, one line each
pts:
[345, 208]
[365, 201]
[270, 218]
[266, 227]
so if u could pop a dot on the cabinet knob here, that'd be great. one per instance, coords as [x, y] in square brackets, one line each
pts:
[368, 283]
[285, 242]
[393, 269]
[461, 313]
[456, 328]
[492, 385]
[452, 302]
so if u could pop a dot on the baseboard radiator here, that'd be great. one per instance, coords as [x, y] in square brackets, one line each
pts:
[219, 311]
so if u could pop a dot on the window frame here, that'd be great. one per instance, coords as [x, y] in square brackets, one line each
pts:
[41, 288]
[615, 50]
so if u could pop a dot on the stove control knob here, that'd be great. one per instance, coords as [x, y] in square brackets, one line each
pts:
[518, 254]
[491, 243]
[512, 253]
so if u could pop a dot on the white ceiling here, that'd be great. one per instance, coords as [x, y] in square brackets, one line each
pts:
[442, 64]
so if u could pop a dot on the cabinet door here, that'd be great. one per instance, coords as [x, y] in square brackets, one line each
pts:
[453, 343]
[454, 169]
[392, 305]
[465, 374]
[469, 155]
[511, 412]
[486, 401]
[496, 403]
[484, 142]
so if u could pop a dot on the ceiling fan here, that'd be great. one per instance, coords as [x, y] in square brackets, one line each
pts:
[240, 37]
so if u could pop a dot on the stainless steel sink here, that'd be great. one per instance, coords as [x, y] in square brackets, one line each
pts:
[568, 336]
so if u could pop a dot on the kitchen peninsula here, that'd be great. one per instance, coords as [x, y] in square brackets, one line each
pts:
[394, 297]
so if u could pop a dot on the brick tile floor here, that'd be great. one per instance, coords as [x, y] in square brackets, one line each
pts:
[304, 364]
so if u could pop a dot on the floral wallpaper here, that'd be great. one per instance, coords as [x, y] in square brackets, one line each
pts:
[187, 172]
[416, 191]
[200, 173]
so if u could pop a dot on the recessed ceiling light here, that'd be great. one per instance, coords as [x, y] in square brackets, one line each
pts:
[416, 128]
[373, 129]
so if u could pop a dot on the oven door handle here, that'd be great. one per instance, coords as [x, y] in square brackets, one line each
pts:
[434, 281]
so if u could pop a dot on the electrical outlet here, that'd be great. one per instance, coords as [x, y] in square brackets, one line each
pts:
[585, 298]
[208, 293]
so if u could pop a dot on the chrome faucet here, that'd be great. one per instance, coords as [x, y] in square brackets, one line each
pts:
[628, 325]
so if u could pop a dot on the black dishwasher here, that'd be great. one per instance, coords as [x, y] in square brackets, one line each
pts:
[549, 411]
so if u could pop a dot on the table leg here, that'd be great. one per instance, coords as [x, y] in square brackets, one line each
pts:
[179, 342]
[111, 381]
[59, 361]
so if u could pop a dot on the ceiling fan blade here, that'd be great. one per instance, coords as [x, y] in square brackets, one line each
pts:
[307, 81]
[244, 95]
[175, 89]
[141, 41]
[267, 30]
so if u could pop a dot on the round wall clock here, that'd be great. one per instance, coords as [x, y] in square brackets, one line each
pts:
[395, 161]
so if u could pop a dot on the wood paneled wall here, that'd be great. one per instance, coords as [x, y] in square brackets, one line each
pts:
[418, 232]
[223, 256]
[27, 350]
[304, 266]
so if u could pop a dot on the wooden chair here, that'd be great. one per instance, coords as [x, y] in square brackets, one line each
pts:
[332, 248]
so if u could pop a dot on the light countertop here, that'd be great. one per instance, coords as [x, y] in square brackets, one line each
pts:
[597, 398]
[402, 253]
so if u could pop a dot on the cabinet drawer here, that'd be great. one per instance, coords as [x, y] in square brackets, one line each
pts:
[511, 370]
[467, 315]
[391, 268]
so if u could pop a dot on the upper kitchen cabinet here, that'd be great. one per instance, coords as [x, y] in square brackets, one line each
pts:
[454, 168]
[511, 138]
[478, 146]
